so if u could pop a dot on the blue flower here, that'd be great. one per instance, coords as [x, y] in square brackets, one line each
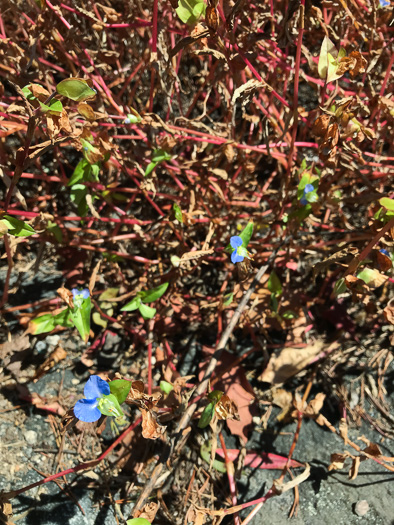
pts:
[86, 409]
[308, 189]
[384, 3]
[77, 293]
[385, 252]
[239, 253]
[79, 296]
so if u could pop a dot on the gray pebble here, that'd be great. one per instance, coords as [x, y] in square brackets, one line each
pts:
[361, 507]
[31, 437]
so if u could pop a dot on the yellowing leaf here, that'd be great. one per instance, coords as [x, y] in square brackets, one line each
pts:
[326, 48]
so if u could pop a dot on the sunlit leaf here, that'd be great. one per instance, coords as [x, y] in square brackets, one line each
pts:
[166, 387]
[76, 89]
[120, 389]
[109, 406]
[132, 305]
[189, 11]
[149, 296]
[80, 317]
[326, 48]
[207, 415]
[146, 311]
[178, 212]
[387, 203]
[16, 227]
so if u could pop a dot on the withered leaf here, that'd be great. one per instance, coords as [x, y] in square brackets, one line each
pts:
[337, 461]
[226, 409]
[150, 427]
[320, 125]
[354, 468]
[360, 64]
[66, 296]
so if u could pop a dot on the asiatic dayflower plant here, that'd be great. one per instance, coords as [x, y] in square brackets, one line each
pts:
[239, 243]
[309, 188]
[384, 3]
[76, 314]
[79, 296]
[99, 399]
[239, 252]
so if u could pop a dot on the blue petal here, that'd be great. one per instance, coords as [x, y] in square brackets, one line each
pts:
[308, 188]
[85, 293]
[385, 252]
[235, 257]
[75, 292]
[236, 241]
[96, 387]
[303, 201]
[86, 410]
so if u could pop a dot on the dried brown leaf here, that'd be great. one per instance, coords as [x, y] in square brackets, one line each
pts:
[337, 461]
[354, 468]
[226, 408]
[150, 427]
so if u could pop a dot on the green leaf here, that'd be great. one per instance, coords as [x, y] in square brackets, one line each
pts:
[189, 11]
[387, 203]
[150, 167]
[274, 284]
[207, 415]
[327, 48]
[215, 395]
[75, 89]
[166, 387]
[78, 194]
[149, 296]
[82, 173]
[80, 317]
[132, 305]
[312, 196]
[332, 69]
[246, 234]
[55, 230]
[228, 299]
[16, 227]
[48, 322]
[109, 406]
[138, 521]
[120, 388]
[178, 212]
[340, 287]
[159, 155]
[28, 94]
[146, 311]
